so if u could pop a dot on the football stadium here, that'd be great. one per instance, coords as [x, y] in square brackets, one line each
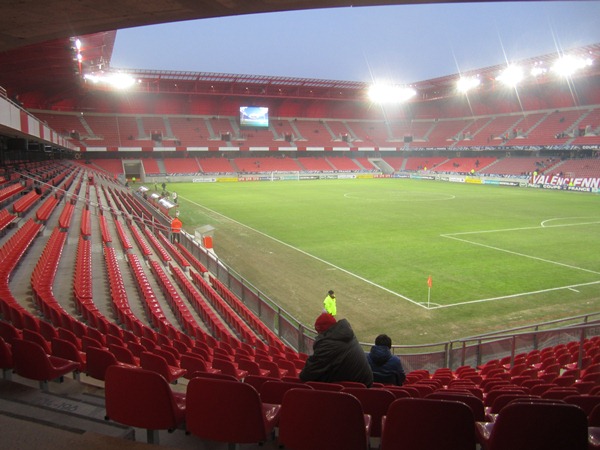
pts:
[171, 243]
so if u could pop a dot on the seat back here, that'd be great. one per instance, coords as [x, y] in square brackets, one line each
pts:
[193, 363]
[213, 405]
[322, 386]
[123, 354]
[423, 424]
[585, 402]
[476, 404]
[67, 350]
[156, 363]
[140, 398]
[97, 361]
[36, 337]
[9, 332]
[274, 391]
[31, 360]
[6, 359]
[257, 381]
[322, 420]
[374, 402]
[548, 426]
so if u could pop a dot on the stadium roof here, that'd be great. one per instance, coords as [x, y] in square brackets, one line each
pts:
[38, 55]
[27, 22]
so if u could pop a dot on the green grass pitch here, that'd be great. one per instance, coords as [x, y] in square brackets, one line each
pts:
[498, 256]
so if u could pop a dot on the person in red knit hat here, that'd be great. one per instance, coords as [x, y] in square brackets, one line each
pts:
[337, 355]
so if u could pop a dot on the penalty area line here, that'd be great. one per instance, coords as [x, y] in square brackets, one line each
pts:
[521, 294]
[331, 266]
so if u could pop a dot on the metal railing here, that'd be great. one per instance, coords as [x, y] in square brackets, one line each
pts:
[472, 351]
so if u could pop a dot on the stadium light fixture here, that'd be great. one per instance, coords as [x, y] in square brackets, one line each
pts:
[538, 71]
[568, 65]
[384, 93]
[465, 84]
[511, 76]
[114, 80]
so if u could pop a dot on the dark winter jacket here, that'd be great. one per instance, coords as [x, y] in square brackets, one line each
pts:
[386, 367]
[337, 356]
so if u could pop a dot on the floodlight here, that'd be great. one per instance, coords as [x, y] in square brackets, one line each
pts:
[538, 71]
[381, 93]
[511, 76]
[114, 80]
[465, 84]
[568, 65]
[78, 44]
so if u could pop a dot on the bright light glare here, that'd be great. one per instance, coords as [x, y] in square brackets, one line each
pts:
[466, 84]
[538, 71]
[78, 44]
[568, 65]
[511, 76]
[114, 80]
[380, 93]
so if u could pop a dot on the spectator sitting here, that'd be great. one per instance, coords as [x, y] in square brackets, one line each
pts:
[337, 355]
[387, 368]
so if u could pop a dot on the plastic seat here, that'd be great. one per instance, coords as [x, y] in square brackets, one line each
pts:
[142, 398]
[9, 332]
[36, 337]
[98, 360]
[158, 364]
[585, 402]
[6, 359]
[67, 350]
[273, 391]
[257, 381]
[123, 354]
[31, 361]
[374, 402]
[323, 420]
[252, 368]
[228, 368]
[192, 364]
[214, 405]
[322, 386]
[476, 404]
[424, 424]
[525, 425]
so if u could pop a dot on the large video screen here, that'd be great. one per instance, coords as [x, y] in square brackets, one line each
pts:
[254, 116]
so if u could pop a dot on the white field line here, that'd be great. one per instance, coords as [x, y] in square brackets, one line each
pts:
[453, 236]
[541, 291]
[333, 266]
[450, 236]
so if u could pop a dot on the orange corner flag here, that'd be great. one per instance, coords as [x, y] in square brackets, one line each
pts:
[429, 282]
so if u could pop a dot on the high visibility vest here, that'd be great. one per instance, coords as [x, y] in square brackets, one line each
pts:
[176, 225]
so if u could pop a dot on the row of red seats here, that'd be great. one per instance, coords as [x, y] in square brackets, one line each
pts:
[46, 209]
[125, 242]
[24, 203]
[149, 300]
[141, 243]
[210, 318]
[7, 192]
[160, 250]
[191, 258]
[173, 251]
[44, 273]
[6, 218]
[245, 312]
[233, 319]
[179, 308]
[86, 222]
[106, 237]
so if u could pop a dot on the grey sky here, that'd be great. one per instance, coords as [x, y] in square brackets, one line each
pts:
[399, 44]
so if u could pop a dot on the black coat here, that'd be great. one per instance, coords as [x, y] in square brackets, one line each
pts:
[337, 356]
